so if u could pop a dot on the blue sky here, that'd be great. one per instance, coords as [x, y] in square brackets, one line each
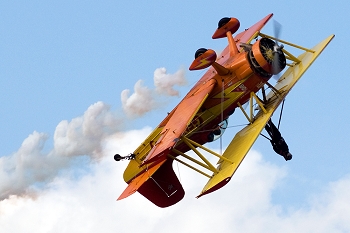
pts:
[63, 63]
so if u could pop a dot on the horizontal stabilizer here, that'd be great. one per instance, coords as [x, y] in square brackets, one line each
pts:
[136, 183]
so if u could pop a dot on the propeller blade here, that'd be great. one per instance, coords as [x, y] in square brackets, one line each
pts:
[277, 28]
[275, 65]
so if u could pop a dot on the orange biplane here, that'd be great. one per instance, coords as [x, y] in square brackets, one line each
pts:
[239, 75]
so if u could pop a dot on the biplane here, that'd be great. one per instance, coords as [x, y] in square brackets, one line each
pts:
[239, 75]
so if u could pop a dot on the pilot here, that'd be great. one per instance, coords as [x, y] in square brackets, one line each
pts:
[279, 145]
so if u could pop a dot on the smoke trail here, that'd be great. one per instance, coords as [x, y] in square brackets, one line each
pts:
[144, 99]
[83, 135]
[30, 166]
[22, 172]
[140, 102]
[165, 83]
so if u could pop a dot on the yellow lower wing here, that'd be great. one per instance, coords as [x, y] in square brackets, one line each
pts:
[244, 139]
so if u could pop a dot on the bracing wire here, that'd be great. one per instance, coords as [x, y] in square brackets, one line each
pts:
[227, 127]
[279, 121]
[222, 110]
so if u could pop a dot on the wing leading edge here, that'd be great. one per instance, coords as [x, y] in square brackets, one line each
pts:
[244, 139]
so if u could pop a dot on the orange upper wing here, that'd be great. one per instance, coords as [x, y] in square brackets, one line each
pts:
[249, 34]
[179, 120]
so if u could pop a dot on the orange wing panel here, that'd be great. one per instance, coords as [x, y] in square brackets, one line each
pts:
[179, 121]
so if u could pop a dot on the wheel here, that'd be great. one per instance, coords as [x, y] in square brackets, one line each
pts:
[210, 137]
[217, 132]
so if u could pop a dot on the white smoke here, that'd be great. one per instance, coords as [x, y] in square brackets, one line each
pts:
[165, 83]
[27, 166]
[144, 99]
[83, 135]
[140, 102]
[30, 165]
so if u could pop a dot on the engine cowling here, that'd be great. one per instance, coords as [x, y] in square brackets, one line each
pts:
[267, 57]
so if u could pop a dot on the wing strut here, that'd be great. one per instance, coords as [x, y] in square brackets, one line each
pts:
[205, 164]
[207, 150]
[250, 118]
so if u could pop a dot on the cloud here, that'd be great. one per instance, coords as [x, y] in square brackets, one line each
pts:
[144, 99]
[88, 204]
[31, 166]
